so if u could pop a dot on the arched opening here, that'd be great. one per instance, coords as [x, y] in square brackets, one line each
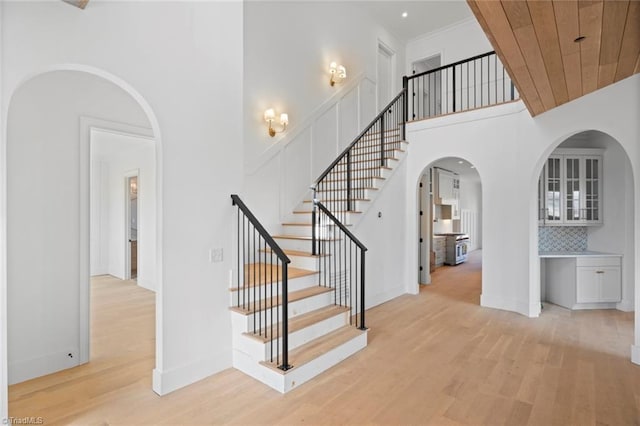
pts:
[449, 200]
[53, 120]
[585, 217]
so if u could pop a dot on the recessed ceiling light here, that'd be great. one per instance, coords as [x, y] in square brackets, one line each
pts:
[460, 162]
[405, 14]
[473, 167]
[579, 39]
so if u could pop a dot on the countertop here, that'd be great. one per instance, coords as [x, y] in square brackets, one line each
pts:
[576, 254]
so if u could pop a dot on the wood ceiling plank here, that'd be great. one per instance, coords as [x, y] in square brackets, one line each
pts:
[630, 43]
[568, 28]
[496, 46]
[544, 22]
[530, 48]
[496, 20]
[590, 14]
[517, 12]
[613, 13]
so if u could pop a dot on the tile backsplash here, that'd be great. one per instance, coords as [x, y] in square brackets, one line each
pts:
[562, 238]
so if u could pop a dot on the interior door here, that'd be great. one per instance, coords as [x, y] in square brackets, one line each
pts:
[132, 221]
[385, 76]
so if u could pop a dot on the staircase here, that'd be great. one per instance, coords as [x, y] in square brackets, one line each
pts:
[312, 273]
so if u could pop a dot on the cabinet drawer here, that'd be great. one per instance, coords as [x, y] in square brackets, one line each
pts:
[597, 261]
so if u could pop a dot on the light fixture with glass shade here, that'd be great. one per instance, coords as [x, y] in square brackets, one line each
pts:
[338, 73]
[270, 117]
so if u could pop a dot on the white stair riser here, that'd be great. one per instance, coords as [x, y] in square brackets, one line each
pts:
[264, 292]
[325, 361]
[304, 262]
[367, 194]
[356, 205]
[242, 323]
[298, 375]
[376, 171]
[250, 367]
[291, 244]
[302, 230]
[356, 187]
[260, 351]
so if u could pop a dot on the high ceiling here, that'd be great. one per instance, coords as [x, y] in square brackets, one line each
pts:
[539, 43]
[422, 16]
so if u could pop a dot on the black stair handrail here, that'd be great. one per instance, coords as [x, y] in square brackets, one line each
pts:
[252, 301]
[359, 137]
[236, 201]
[471, 83]
[348, 267]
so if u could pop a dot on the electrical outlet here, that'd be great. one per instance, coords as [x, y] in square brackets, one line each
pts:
[215, 255]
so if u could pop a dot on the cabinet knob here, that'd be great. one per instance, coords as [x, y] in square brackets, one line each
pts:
[599, 272]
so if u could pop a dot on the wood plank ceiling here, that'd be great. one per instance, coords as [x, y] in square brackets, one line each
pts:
[537, 41]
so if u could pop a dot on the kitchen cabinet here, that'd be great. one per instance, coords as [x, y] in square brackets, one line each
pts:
[447, 188]
[439, 246]
[583, 281]
[570, 188]
[598, 280]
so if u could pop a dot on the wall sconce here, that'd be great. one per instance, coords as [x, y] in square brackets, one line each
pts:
[338, 73]
[270, 116]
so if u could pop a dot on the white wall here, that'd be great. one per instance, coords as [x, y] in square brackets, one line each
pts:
[455, 43]
[44, 224]
[189, 81]
[289, 46]
[471, 201]
[114, 156]
[508, 147]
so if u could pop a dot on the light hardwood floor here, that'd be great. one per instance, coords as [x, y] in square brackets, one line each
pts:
[435, 358]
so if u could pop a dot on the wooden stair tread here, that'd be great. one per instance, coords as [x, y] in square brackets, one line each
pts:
[362, 169]
[304, 238]
[355, 178]
[334, 213]
[345, 189]
[322, 201]
[294, 296]
[386, 150]
[308, 225]
[300, 253]
[298, 323]
[264, 273]
[317, 347]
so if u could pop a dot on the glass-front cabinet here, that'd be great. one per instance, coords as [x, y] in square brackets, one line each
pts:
[570, 188]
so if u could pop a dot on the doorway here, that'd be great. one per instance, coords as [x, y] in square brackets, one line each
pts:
[449, 217]
[427, 93]
[131, 234]
[49, 212]
[385, 75]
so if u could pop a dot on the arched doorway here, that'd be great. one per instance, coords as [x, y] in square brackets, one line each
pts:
[449, 200]
[586, 205]
[50, 119]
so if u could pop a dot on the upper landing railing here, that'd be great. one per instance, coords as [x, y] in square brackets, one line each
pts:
[469, 84]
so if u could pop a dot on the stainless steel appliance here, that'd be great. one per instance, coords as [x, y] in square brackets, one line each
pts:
[457, 245]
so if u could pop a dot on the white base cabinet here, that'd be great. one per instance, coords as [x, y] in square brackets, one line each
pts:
[598, 280]
[583, 282]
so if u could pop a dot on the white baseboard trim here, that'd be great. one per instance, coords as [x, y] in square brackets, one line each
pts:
[516, 306]
[165, 382]
[625, 306]
[20, 371]
[146, 284]
[381, 298]
[635, 354]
